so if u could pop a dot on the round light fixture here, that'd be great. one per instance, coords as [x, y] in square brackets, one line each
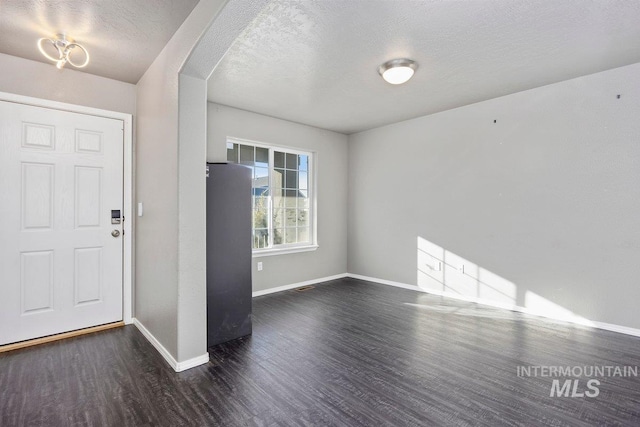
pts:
[63, 47]
[397, 71]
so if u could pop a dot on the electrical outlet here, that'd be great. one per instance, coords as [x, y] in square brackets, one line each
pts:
[260, 266]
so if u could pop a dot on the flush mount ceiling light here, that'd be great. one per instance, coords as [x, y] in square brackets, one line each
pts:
[397, 71]
[63, 47]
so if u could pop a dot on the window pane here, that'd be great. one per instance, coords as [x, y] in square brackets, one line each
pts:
[292, 161]
[278, 159]
[261, 172]
[260, 218]
[292, 179]
[261, 192]
[260, 198]
[261, 202]
[278, 201]
[246, 155]
[291, 218]
[278, 178]
[303, 181]
[304, 163]
[278, 218]
[278, 235]
[260, 178]
[303, 217]
[262, 156]
[290, 235]
[303, 202]
[260, 238]
[290, 194]
[232, 152]
[303, 235]
[291, 202]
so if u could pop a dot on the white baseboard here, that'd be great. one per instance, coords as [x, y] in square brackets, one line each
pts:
[177, 366]
[617, 328]
[584, 322]
[192, 363]
[385, 282]
[297, 285]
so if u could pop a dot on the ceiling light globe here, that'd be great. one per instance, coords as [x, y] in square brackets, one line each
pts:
[398, 75]
[397, 71]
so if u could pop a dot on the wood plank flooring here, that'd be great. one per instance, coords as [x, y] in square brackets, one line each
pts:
[346, 353]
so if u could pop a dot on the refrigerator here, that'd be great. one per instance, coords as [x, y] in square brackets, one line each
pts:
[229, 249]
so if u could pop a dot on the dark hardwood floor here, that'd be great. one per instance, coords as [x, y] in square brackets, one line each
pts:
[347, 353]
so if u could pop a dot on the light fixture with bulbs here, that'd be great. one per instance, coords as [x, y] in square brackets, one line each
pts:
[64, 47]
[397, 71]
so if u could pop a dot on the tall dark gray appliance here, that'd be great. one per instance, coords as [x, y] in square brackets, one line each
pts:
[228, 252]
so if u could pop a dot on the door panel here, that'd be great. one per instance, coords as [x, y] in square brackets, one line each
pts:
[61, 174]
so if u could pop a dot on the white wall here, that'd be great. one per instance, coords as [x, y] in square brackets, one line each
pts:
[547, 198]
[45, 81]
[331, 159]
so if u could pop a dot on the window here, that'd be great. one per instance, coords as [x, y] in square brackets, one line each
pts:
[282, 194]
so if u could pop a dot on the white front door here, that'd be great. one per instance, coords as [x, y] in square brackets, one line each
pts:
[61, 175]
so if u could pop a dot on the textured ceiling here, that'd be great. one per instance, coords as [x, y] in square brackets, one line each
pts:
[315, 62]
[123, 37]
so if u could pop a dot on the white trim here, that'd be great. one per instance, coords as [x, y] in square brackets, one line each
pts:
[192, 363]
[578, 321]
[128, 224]
[385, 282]
[154, 342]
[283, 251]
[298, 285]
[262, 144]
[177, 366]
[617, 328]
[128, 229]
[63, 106]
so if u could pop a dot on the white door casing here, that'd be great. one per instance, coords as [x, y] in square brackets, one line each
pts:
[61, 174]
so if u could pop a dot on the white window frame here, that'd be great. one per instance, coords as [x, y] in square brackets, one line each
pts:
[286, 248]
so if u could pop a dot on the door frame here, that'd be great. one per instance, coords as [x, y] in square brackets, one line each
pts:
[128, 224]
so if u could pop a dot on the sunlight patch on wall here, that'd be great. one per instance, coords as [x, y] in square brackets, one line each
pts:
[444, 273]
[440, 270]
[535, 304]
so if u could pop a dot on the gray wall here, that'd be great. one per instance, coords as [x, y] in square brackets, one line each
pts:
[547, 197]
[331, 160]
[192, 156]
[158, 289]
[39, 80]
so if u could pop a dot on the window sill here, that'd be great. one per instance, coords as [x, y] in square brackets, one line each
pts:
[284, 251]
